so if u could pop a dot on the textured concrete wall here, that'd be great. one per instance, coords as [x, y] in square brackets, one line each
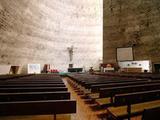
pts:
[132, 23]
[39, 31]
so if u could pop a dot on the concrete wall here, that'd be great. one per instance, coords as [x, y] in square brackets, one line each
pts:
[132, 23]
[40, 31]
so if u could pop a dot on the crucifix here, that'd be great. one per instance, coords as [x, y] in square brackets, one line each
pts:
[70, 51]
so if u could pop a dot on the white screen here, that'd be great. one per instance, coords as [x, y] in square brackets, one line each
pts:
[34, 68]
[124, 54]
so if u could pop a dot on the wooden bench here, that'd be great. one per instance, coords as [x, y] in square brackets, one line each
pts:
[86, 78]
[84, 84]
[35, 95]
[31, 85]
[32, 89]
[31, 82]
[96, 88]
[105, 90]
[44, 107]
[89, 84]
[134, 75]
[109, 92]
[151, 114]
[131, 104]
[30, 96]
[105, 95]
[6, 77]
[33, 79]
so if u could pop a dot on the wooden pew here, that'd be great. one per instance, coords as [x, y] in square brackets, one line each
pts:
[31, 82]
[105, 96]
[31, 85]
[96, 88]
[135, 75]
[36, 77]
[109, 92]
[89, 84]
[35, 95]
[44, 107]
[151, 114]
[107, 83]
[33, 79]
[126, 85]
[131, 104]
[31, 96]
[32, 89]
[6, 77]
[103, 81]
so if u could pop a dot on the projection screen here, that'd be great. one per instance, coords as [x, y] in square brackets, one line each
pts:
[124, 54]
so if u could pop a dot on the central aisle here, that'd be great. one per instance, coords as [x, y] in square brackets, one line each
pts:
[84, 111]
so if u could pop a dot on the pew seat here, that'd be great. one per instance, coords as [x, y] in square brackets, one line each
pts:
[30, 82]
[32, 85]
[43, 107]
[37, 117]
[93, 95]
[32, 89]
[151, 114]
[103, 101]
[136, 109]
[28, 96]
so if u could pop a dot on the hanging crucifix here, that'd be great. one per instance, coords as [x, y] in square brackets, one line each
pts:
[70, 51]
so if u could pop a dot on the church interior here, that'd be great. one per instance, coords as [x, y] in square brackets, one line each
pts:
[79, 60]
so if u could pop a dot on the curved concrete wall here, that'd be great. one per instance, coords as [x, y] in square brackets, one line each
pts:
[40, 31]
[133, 23]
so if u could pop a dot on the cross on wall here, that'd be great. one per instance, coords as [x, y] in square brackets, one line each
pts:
[70, 51]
